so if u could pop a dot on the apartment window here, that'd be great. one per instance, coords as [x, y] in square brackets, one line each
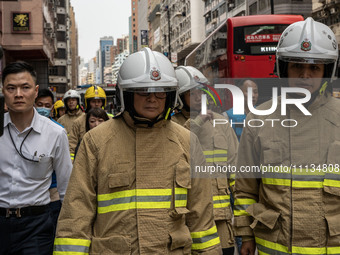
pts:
[208, 18]
[223, 8]
[253, 9]
[133, 8]
[263, 4]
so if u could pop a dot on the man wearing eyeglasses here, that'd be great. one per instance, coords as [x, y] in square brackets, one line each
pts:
[32, 147]
[137, 195]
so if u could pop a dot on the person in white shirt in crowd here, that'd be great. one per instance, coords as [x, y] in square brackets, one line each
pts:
[32, 147]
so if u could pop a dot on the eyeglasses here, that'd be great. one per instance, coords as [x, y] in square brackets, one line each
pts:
[159, 95]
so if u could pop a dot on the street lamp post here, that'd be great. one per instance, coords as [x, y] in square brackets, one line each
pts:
[169, 33]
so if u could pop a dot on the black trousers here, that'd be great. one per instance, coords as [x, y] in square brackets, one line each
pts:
[28, 235]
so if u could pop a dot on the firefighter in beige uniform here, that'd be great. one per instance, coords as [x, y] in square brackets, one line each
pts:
[95, 97]
[73, 111]
[219, 145]
[131, 191]
[294, 208]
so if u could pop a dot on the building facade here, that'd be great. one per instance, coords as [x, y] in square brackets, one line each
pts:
[28, 34]
[104, 54]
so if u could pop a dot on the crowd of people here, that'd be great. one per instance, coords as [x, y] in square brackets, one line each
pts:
[75, 182]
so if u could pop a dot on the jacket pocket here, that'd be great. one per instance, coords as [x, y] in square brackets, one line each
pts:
[117, 180]
[113, 245]
[183, 178]
[180, 240]
[40, 170]
[333, 230]
[332, 177]
[266, 222]
[221, 199]
[180, 189]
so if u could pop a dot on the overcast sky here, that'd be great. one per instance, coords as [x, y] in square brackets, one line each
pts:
[99, 18]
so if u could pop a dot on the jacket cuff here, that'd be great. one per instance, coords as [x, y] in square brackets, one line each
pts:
[242, 226]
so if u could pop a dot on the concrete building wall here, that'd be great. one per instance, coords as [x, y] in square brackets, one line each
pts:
[142, 23]
[37, 45]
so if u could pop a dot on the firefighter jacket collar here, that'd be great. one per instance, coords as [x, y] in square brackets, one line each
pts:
[142, 122]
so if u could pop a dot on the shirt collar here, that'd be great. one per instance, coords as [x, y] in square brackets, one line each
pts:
[35, 124]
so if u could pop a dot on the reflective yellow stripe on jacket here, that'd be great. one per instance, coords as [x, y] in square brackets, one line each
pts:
[215, 156]
[302, 177]
[241, 204]
[204, 239]
[267, 247]
[68, 246]
[72, 156]
[232, 180]
[141, 199]
[221, 201]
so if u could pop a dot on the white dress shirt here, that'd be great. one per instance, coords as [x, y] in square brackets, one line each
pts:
[26, 183]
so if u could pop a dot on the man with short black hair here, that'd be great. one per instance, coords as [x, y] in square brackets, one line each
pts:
[32, 147]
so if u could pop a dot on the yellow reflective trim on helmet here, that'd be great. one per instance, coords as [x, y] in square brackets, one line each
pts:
[323, 88]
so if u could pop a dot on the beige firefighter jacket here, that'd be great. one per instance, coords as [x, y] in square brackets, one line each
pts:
[131, 193]
[67, 119]
[77, 132]
[293, 207]
[219, 146]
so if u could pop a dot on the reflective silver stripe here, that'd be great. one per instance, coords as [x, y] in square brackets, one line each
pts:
[267, 250]
[71, 248]
[241, 207]
[205, 238]
[124, 200]
[181, 196]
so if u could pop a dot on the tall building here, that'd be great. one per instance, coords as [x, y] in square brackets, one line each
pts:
[300, 7]
[181, 27]
[143, 24]
[74, 49]
[154, 25]
[134, 25]
[61, 72]
[27, 32]
[104, 54]
[217, 12]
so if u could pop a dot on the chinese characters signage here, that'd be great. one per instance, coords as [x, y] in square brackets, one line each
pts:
[262, 38]
[21, 22]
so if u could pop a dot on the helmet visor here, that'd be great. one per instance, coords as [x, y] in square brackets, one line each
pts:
[151, 89]
[307, 60]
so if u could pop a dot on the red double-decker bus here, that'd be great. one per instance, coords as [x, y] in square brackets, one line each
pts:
[242, 47]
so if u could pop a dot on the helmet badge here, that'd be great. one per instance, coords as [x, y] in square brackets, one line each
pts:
[306, 45]
[196, 78]
[155, 74]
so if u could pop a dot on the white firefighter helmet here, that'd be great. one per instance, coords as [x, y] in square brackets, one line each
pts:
[148, 71]
[71, 94]
[309, 42]
[188, 78]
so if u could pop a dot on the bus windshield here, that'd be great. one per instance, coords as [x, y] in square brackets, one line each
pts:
[257, 40]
